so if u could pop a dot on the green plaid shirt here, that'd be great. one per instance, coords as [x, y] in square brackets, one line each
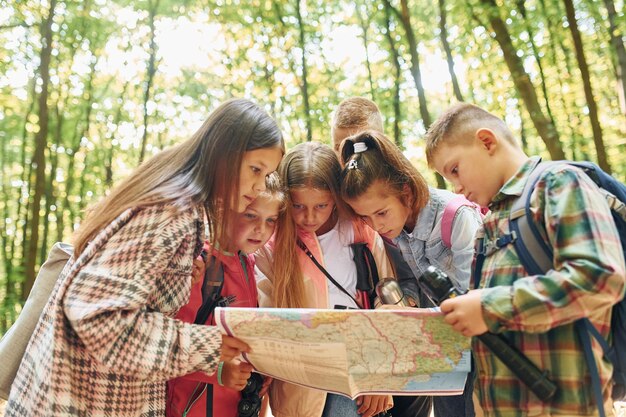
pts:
[536, 313]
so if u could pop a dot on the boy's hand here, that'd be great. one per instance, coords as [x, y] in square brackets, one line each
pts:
[232, 347]
[235, 374]
[370, 405]
[464, 314]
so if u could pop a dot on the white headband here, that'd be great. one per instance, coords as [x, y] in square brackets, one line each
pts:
[360, 147]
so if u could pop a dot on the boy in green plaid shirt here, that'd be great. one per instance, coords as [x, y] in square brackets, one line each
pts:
[478, 154]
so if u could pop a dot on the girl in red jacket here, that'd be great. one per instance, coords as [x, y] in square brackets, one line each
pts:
[187, 395]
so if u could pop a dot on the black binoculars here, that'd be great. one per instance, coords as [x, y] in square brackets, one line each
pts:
[438, 287]
[250, 403]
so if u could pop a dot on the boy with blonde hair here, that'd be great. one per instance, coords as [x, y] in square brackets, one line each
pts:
[354, 115]
[478, 154]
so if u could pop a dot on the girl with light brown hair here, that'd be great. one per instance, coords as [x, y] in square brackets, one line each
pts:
[317, 225]
[107, 341]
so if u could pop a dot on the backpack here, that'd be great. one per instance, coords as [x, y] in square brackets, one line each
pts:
[536, 256]
[449, 213]
[14, 342]
[212, 285]
[366, 269]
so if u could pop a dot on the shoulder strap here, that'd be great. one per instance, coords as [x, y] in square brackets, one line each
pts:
[366, 269]
[306, 250]
[449, 213]
[211, 289]
[359, 232]
[534, 252]
[366, 273]
[536, 255]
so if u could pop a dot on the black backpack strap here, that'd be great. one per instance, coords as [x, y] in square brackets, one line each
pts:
[211, 289]
[480, 258]
[209, 400]
[366, 269]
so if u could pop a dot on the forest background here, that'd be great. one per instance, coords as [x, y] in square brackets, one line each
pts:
[89, 89]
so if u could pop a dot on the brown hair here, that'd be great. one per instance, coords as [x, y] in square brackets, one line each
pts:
[355, 112]
[308, 164]
[451, 127]
[274, 190]
[381, 161]
[196, 171]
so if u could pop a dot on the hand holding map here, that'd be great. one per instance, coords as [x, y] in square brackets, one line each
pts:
[353, 352]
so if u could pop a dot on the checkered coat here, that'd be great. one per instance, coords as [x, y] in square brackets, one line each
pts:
[107, 341]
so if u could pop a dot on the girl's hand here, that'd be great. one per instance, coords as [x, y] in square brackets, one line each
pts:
[371, 405]
[464, 314]
[197, 272]
[232, 347]
[235, 374]
[267, 380]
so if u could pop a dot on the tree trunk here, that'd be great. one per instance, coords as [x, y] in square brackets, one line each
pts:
[26, 184]
[443, 33]
[416, 72]
[522, 128]
[50, 198]
[405, 19]
[553, 41]
[23, 189]
[108, 162]
[304, 85]
[398, 74]
[7, 258]
[41, 139]
[522, 82]
[364, 28]
[620, 51]
[584, 72]
[76, 144]
[531, 38]
[152, 6]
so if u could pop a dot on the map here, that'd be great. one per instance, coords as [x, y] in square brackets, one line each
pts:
[354, 352]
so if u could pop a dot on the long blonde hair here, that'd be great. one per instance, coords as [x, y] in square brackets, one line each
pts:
[382, 161]
[313, 165]
[197, 171]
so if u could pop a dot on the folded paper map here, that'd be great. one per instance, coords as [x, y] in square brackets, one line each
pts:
[353, 352]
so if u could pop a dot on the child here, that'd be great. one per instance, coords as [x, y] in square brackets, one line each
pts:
[535, 313]
[316, 222]
[382, 187]
[107, 341]
[187, 395]
[352, 116]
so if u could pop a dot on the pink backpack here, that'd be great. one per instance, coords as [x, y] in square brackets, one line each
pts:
[449, 212]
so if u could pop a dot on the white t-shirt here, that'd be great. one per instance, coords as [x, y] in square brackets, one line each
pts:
[339, 262]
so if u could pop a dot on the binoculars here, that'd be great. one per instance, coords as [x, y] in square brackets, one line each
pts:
[438, 287]
[250, 403]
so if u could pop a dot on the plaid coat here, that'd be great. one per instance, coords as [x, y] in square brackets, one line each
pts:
[107, 340]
